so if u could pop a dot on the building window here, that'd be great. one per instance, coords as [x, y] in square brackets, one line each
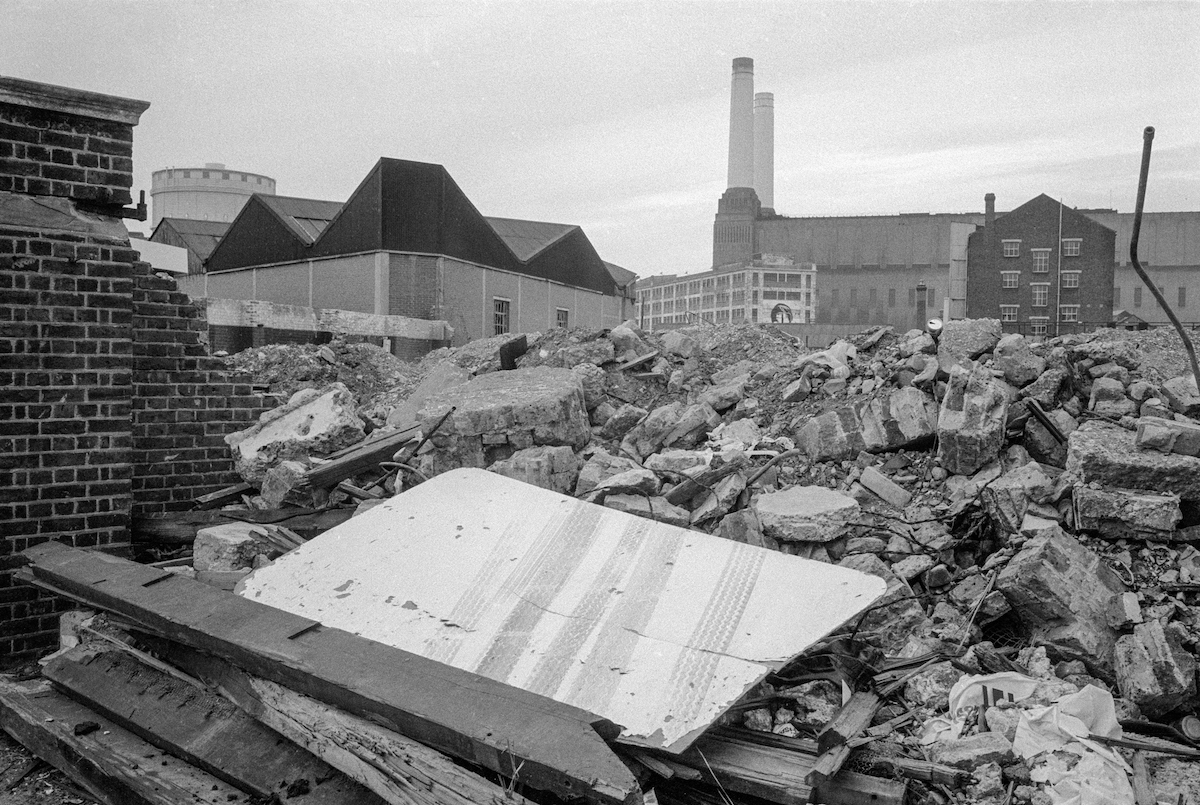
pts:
[1116, 295]
[854, 297]
[835, 296]
[891, 297]
[204, 174]
[1037, 326]
[1012, 248]
[1009, 279]
[1041, 295]
[225, 175]
[561, 317]
[872, 300]
[1070, 279]
[753, 314]
[1041, 260]
[1068, 312]
[1009, 312]
[187, 174]
[1071, 247]
[1182, 296]
[1137, 297]
[500, 318]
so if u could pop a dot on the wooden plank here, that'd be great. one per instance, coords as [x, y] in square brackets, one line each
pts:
[110, 763]
[398, 769]
[1143, 782]
[222, 496]
[360, 458]
[686, 490]
[559, 748]
[200, 727]
[854, 717]
[827, 764]
[179, 528]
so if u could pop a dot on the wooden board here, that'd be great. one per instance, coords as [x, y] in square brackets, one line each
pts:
[200, 727]
[112, 764]
[179, 528]
[654, 627]
[359, 458]
[396, 768]
[557, 747]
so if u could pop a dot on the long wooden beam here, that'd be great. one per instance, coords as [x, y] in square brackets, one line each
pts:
[201, 727]
[545, 744]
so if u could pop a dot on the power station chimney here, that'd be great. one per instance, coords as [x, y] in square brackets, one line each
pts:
[741, 124]
[764, 149]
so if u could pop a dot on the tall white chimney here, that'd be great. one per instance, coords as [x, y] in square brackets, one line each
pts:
[741, 124]
[764, 149]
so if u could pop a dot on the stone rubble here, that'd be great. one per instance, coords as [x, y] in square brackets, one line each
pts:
[1062, 551]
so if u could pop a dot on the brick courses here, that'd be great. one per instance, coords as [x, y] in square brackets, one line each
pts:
[111, 404]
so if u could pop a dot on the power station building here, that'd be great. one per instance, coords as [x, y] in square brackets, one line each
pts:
[901, 269]
[211, 193]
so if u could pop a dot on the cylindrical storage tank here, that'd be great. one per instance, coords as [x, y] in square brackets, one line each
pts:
[211, 193]
[764, 149]
[741, 124]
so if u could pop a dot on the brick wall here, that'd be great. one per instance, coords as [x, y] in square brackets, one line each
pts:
[109, 402]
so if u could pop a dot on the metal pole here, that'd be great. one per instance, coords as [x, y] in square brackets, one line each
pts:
[1147, 139]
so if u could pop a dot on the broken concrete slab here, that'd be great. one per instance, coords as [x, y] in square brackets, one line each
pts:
[553, 468]
[970, 425]
[443, 377]
[678, 461]
[1108, 455]
[1042, 445]
[228, 546]
[805, 513]
[902, 419]
[883, 486]
[676, 343]
[594, 381]
[622, 421]
[639, 622]
[651, 432]
[1063, 592]
[498, 413]
[726, 395]
[599, 466]
[654, 508]
[916, 341]
[896, 615]
[281, 481]
[1182, 395]
[1008, 498]
[1050, 389]
[1126, 513]
[693, 426]
[743, 526]
[1168, 436]
[1108, 399]
[963, 340]
[311, 423]
[636, 481]
[1014, 357]
[1154, 671]
[628, 341]
[973, 751]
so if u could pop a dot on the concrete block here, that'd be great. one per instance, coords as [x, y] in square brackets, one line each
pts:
[1014, 357]
[594, 381]
[443, 377]
[599, 466]
[676, 343]
[554, 468]
[1108, 398]
[1108, 455]
[905, 418]
[1125, 612]
[805, 513]
[895, 616]
[726, 395]
[280, 481]
[885, 488]
[1182, 395]
[632, 481]
[1051, 388]
[1154, 671]
[966, 339]
[622, 421]
[677, 460]
[650, 433]
[1125, 513]
[1168, 436]
[225, 547]
[653, 508]
[970, 425]
[312, 423]
[1008, 498]
[1063, 593]
[973, 751]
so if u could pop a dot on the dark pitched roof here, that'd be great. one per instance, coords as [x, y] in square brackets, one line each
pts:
[409, 207]
[621, 276]
[198, 237]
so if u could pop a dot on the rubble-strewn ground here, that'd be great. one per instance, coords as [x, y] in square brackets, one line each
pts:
[1067, 559]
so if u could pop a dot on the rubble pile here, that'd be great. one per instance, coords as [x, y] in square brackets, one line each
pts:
[1032, 507]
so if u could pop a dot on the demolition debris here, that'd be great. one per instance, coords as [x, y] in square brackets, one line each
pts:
[707, 567]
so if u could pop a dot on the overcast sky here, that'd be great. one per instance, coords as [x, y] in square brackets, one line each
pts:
[614, 115]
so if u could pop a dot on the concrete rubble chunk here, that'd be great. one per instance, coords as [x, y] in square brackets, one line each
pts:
[600, 466]
[498, 413]
[596, 352]
[676, 343]
[1014, 357]
[805, 513]
[721, 499]
[1127, 513]
[628, 341]
[649, 435]
[1125, 613]
[594, 381]
[443, 377]
[622, 421]
[726, 395]
[1154, 671]
[1042, 446]
[227, 547]
[1168, 436]
[887, 489]
[634, 481]
[743, 526]
[1008, 498]
[1182, 395]
[895, 616]
[973, 751]
[902, 419]
[1050, 389]
[312, 423]
[652, 508]
[680, 461]
[692, 427]
[554, 468]
[1063, 592]
[963, 340]
[1108, 398]
[1107, 455]
[731, 373]
[970, 423]
[280, 482]
[916, 341]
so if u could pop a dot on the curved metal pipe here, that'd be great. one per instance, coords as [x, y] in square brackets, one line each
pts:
[1147, 139]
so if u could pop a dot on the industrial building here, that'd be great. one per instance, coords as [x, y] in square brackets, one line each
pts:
[408, 242]
[211, 193]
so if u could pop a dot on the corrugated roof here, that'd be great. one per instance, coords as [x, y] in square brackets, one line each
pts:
[308, 217]
[528, 238]
[201, 237]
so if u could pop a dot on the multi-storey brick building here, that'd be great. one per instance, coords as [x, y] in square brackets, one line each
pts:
[766, 289]
[1042, 269]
